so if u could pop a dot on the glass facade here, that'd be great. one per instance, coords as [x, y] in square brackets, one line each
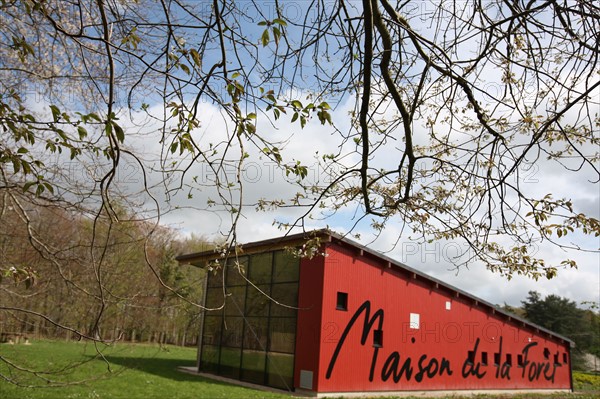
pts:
[252, 335]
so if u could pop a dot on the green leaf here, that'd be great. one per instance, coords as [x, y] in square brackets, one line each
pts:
[265, 38]
[55, 112]
[49, 187]
[263, 23]
[131, 40]
[27, 186]
[74, 152]
[119, 132]
[61, 133]
[94, 116]
[82, 132]
[196, 57]
[324, 105]
[26, 167]
[16, 165]
[324, 116]
[280, 22]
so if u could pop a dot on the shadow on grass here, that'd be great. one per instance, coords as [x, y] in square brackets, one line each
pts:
[165, 368]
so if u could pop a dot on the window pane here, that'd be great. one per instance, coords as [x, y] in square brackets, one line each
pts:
[210, 358]
[257, 303]
[342, 301]
[280, 370]
[287, 267]
[212, 330]
[215, 277]
[415, 321]
[230, 362]
[260, 268]
[253, 366]
[282, 334]
[470, 357]
[378, 338]
[232, 332]
[236, 270]
[509, 359]
[234, 303]
[286, 294]
[214, 297]
[255, 333]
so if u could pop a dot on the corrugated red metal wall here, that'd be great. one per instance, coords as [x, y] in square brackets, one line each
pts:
[308, 327]
[453, 343]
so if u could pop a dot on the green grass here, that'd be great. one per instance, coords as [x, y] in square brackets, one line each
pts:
[145, 372]
[127, 371]
[586, 382]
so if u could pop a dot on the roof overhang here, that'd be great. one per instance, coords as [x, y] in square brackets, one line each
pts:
[200, 259]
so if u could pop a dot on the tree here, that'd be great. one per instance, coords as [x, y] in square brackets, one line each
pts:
[564, 317]
[49, 261]
[453, 101]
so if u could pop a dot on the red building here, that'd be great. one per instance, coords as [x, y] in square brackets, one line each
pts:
[349, 319]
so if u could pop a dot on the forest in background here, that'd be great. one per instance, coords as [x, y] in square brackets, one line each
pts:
[139, 292]
[564, 316]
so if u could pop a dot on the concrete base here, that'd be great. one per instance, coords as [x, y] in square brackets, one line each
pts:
[194, 371]
[302, 393]
[431, 394]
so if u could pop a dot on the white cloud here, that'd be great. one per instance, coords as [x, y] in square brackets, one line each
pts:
[262, 179]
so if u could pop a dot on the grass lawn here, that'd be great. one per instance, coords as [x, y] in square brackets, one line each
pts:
[140, 371]
[127, 371]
